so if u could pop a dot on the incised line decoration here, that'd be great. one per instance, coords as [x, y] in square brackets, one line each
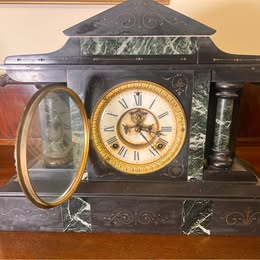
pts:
[242, 218]
[132, 217]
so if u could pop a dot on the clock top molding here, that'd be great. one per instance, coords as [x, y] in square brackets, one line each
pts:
[136, 32]
[139, 18]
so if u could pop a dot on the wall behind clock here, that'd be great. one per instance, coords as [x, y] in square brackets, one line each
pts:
[26, 29]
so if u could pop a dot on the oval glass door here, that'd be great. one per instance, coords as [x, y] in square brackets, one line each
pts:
[52, 146]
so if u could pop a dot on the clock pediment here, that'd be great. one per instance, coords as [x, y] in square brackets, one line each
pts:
[139, 18]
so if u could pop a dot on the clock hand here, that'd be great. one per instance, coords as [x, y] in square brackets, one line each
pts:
[148, 129]
[149, 143]
[127, 128]
[139, 128]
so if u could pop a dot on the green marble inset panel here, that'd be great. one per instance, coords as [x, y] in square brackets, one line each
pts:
[197, 217]
[223, 124]
[139, 46]
[199, 114]
[77, 215]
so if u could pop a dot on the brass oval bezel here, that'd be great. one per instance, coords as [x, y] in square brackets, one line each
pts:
[21, 147]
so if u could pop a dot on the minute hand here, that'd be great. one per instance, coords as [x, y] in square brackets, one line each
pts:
[149, 143]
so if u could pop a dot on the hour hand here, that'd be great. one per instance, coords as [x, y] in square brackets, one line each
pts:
[127, 128]
[150, 130]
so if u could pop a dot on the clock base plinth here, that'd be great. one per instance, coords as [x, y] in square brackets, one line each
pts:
[239, 172]
[189, 208]
[190, 216]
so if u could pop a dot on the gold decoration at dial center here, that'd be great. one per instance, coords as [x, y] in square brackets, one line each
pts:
[137, 127]
[135, 121]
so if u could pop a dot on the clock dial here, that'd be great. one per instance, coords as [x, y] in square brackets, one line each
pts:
[138, 127]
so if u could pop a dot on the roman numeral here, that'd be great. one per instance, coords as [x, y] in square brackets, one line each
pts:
[163, 115]
[111, 114]
[109, 129]
[123, 103]
[136, 156]
[150, 107]
[166, 129]
[122, 151]
[163, 141]
[138, 99]
[111, 140]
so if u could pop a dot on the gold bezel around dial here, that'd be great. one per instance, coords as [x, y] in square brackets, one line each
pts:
[123, 145]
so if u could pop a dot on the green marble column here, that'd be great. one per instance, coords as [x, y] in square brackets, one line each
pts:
[222, 156]
[223, 124]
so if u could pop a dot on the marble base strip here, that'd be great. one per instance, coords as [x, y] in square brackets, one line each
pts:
[77, 215]
[197, 217]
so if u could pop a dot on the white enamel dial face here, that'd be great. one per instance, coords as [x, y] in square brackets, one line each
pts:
[138, 127]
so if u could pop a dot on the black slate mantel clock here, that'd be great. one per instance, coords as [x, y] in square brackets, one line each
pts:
[133, 129]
